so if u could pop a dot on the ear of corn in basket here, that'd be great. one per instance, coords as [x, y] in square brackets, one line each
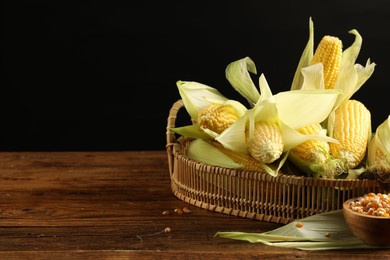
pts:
[313, 158]
[352, 128]
[211, 113]
[350, 122]
[378, 157]
[213, 153]
[266, 144]
[329, 52]
[248, 162]
[217, 117]
[192, 93]
[314, 151]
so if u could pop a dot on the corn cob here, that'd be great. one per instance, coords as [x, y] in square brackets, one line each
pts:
[266, 144]
[312, 151]
[313, 158]
[352, 128]
[378, 157]
[250, 163]
[329, 52]
[217, 117]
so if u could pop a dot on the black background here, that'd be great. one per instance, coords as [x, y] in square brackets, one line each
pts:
[90, 75]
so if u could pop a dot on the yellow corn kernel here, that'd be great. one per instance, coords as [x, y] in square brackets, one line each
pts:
[352, 127]
[329, 52]
[250, 163]
[266, 144]
[312, 151]
[217, 117]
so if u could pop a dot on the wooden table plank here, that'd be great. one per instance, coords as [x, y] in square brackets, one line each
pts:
[108, 205]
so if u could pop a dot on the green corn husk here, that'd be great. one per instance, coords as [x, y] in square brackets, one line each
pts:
[326, 231]
[378, 155]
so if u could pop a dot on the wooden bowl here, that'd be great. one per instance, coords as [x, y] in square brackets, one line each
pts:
[372, 230]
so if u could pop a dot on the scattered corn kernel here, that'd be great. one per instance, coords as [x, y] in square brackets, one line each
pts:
[372, 204]
[299, 225]
[179, 211]
[186, 210]
[165, 212]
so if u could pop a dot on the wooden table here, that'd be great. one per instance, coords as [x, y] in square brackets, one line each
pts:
[109, 205]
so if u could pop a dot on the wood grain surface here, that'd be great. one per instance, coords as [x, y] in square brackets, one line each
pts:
[109, 205]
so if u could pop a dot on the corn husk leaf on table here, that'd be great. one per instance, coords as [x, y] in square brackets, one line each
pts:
[326, 231]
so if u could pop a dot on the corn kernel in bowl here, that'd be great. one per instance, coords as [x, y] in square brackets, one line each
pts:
[374, 204]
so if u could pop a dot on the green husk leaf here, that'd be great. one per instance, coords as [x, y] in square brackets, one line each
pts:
[350, 54]
[266, 111]
[352, 76]
[311, 236]
[200, 150]
[292, 137]
[305, 59]
[233, 137]
[364, 73]
[299, 108]
[191, 131]
[381, 141]
[265, 89]
[313, 77]
[197, 96]
[238, 107]
[237, 73]
[353, 174]
[274, 168]
[383, 134]
[347, 83]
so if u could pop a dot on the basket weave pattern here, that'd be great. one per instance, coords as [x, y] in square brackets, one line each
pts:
[254, 195]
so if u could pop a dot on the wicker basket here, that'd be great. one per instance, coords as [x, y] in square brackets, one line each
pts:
[254, 195]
